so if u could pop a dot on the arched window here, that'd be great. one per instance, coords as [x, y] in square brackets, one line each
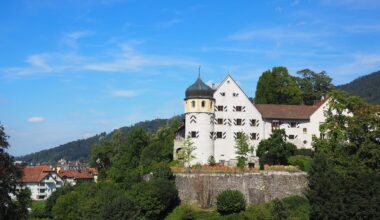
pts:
[203, 104]
[193, 104]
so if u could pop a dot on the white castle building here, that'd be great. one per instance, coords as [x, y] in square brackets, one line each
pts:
[214, 116]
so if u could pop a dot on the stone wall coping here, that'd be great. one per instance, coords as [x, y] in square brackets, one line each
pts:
[265, 173]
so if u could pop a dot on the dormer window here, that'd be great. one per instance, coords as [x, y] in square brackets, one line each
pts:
[293, 124]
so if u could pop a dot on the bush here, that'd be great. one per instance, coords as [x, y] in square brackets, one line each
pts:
[154, 199]
[304, 152]
[302, 162]
[162, 170]
[211, 161]
[230, 201]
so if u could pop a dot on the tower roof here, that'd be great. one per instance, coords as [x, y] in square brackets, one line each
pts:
[199, 90]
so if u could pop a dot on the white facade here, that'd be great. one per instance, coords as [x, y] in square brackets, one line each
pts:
[43, 189]
[213, 131]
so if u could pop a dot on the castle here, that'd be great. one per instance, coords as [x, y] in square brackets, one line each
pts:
[215, 116]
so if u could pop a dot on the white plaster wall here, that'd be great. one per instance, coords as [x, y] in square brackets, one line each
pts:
[225, 148]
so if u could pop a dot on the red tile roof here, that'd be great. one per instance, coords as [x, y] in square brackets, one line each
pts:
[76, 174]
[300, 112]
[34, 174]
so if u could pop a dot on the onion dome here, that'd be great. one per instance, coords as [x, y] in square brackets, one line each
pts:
[199, 90]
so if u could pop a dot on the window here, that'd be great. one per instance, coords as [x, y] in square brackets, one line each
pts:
[193, 104]
[222, 93]
[219, 134]
[203, 104]
[220, 108]
[42, 190]
[238, 108]
[219, 121]
[235, 94]
[253, 122]
[305, 130]
[304, 142]
[275, 124]
[193, 134]
[41, 197]
[291, 137]
[238, 121]
[293, 124]
[41, 184]
[253, 136]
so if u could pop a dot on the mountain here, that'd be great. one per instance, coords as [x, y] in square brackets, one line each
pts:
[367, 87]
[81, 149]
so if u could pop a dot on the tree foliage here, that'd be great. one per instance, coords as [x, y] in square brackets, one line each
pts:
[135, 180]
[242, 149]
[230, 201]
[275, 149]
[81, 149]
[344, 177]
[313, 85]
[9, 173]
[187, 151]
[276, 86]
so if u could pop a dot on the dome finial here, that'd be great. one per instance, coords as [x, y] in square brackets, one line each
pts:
[199, 71]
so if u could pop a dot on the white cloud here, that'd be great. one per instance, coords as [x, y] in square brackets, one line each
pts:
[278, 33]
[124, 93]
[126, 59]
[71, 38]
[36, 119]
[129, 59]
[168, 24]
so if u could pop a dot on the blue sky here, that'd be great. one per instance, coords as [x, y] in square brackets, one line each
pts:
[71, 69]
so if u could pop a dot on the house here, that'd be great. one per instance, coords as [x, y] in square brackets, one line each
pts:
[41, 180]
[215, 116]
[73, 177]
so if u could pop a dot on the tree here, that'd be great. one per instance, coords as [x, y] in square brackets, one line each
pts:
[275, 149]
[187, 151]
[211, 161]
[344, 181]
[278, 210]
[9, 174]
[313, 85]
[230, 201]
[325, 190]
[277, 87]
[242, 149]
[154, 199]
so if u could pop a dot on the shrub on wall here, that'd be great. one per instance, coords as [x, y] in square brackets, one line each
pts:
[230, 201]
[302, 162]
[304, 152]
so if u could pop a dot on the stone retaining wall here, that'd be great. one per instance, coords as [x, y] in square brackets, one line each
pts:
[258, 187]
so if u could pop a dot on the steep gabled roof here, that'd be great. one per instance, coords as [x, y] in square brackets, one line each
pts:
[35, 174]
[276, 111]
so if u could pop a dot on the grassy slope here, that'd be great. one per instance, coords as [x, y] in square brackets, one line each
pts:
[297, 208]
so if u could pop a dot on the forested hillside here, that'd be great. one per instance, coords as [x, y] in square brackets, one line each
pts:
[81, 149]
[367, 87]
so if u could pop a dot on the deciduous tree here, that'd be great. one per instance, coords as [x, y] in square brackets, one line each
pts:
[275, 149]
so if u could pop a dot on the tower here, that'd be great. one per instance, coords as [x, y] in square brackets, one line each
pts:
[199, 113]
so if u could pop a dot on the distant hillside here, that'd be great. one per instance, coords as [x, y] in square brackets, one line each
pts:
[367, 87]
[81, 149]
